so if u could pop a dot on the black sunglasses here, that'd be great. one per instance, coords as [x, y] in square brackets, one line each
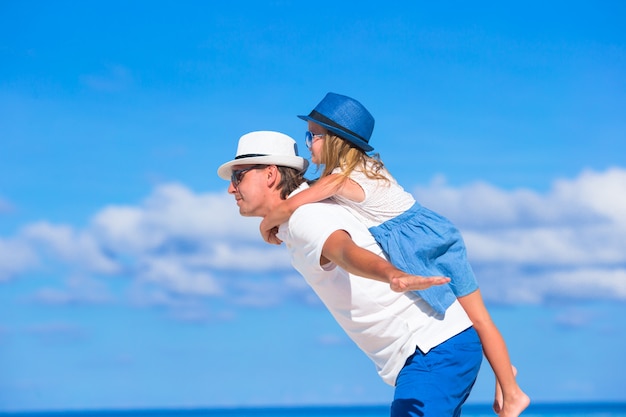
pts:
[237, 174]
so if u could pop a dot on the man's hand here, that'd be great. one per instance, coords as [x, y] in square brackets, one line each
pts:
[408, 282]
[341, 249]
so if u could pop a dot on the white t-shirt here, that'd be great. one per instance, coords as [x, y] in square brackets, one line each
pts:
[386, 325]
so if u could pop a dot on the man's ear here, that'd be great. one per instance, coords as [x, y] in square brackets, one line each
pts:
[272, 176]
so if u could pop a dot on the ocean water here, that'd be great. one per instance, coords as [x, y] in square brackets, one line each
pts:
[471, 410]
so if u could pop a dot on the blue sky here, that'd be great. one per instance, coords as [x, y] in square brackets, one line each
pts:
[127, 277]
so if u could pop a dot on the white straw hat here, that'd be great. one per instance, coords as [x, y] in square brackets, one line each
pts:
[265, 148]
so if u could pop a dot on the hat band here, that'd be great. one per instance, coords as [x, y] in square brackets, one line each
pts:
[320, 117]
[250, 155]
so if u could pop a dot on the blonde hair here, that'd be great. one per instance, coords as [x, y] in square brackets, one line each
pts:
[339, 153]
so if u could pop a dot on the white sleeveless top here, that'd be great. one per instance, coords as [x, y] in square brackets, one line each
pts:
[384, 200]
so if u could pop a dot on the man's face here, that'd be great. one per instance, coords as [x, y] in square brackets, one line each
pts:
[249, 186]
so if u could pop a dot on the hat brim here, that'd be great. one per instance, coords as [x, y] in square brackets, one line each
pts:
[296, 162]
[356, 141]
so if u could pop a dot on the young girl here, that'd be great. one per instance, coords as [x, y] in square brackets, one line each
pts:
[415, 239]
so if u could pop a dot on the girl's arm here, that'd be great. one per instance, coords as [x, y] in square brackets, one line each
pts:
[325, 187]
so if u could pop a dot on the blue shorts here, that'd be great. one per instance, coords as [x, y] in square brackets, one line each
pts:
[437, 384]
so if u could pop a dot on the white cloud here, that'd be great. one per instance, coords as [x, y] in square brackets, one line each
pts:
[173, 274]
[592, 198]
[205, 230]
[546, 246]
[174, 244]
[525, 246]
[603, 193]
[76, 290]
[249, 257]
[592, 282]
[508, 284]
[77, 248]
[173, 213]
[573, 237]
[15, 257]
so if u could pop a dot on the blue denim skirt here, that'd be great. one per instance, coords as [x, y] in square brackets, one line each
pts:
[422, 242]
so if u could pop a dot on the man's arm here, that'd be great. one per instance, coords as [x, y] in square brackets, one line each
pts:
[341, 249]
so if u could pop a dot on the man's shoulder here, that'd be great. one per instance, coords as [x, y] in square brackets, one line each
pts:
[325, 215]
[325, 206]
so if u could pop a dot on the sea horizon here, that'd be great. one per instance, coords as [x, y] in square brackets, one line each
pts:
[544, 409]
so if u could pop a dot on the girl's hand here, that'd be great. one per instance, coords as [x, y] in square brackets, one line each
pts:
[268, 230]
[270, 236]
[269, 225]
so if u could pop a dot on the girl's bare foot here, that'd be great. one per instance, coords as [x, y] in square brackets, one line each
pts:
[499, 399]
[514, 405]
[515, 402]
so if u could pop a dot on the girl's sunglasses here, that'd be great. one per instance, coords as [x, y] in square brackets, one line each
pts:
[309, 138]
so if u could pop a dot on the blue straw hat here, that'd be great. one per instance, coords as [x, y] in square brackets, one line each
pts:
[345, 117]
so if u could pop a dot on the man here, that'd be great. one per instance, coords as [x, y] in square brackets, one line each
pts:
[432, 360]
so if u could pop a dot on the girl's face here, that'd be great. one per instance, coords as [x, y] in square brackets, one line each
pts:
[317, 142]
